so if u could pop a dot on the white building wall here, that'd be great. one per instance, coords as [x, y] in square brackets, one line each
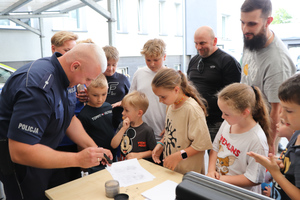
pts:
[24, 46]
[233, 40]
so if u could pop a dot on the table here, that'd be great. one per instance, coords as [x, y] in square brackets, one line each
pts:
[91, 187]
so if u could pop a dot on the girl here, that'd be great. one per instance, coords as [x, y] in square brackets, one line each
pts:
[283, 130]
[246, 128]
[186, 134]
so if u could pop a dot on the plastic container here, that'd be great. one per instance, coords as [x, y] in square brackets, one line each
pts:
[112, 188]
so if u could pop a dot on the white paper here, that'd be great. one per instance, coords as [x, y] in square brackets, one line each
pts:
[129, 172]
[163, 191]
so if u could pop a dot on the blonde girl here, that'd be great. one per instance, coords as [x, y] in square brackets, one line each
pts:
[186, 134]
[246, 127]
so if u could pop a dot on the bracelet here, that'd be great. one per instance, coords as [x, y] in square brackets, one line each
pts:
[160, 143]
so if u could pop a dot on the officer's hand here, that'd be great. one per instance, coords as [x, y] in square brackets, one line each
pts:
[92, 156]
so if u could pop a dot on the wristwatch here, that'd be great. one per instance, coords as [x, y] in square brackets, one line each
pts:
[183, 154]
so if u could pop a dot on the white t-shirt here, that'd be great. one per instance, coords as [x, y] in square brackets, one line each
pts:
[232, 158]
[156, 112]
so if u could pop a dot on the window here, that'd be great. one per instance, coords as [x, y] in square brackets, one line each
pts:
[142, 22]
[121, 16]
[162, 18]
[177, 67]
[178, 13]
[6, 23]
[224, 26]
[73, 22]
[122, 70]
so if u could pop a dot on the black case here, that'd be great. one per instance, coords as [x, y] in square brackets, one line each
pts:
[198, 186]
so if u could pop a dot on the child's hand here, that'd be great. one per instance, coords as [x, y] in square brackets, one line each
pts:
[117, 104]
[157, 152]
[267, 191]
[126, 123]
[214, 175]
[132, 156]
[172, 160]
[162, 133]
[82, 96]
[271, 163]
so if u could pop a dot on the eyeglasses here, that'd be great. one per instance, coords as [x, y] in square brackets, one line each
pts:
[200, 66]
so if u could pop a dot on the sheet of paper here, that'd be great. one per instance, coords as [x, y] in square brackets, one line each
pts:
[163, 191]
[129, 172]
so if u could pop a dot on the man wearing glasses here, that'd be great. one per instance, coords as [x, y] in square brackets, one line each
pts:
[210, 71]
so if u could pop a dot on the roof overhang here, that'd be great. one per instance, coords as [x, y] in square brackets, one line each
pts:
[15, 10]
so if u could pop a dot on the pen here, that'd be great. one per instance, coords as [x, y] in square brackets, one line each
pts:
[107, 158]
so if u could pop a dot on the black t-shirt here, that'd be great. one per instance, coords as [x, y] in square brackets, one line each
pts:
[118, 87]
[137, 139]
[291, 160]
[220, 69]
[97, 122]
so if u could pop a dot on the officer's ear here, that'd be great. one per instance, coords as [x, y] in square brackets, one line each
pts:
[75, 66]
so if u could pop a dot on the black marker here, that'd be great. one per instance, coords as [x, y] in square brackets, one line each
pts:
[107, 158]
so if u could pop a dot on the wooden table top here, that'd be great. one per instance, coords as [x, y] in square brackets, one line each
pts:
[92, 187]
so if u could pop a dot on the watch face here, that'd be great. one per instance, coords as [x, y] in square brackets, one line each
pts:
[184, 155]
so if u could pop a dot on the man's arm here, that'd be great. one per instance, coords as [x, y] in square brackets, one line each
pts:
[274, 115]
[78, 135]
[42, 156]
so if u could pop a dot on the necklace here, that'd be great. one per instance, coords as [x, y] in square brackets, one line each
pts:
[177, 102]
[270, 36]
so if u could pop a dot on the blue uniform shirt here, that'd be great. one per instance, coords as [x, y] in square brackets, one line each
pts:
[36, 103]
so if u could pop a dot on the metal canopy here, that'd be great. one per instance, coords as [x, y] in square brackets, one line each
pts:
[15, 10]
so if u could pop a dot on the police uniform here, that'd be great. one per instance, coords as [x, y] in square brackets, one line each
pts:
[36, 108]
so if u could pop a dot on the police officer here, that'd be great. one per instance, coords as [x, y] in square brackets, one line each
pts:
[37, 108]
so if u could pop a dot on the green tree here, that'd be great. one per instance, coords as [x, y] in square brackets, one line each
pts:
[282, 17]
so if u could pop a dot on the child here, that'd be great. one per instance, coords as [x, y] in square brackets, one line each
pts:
[283, 131]
[186, 134]
[118, 84]
[135, 136]
[246, 127]
[96, 116]
[154, 51]
[288, 178]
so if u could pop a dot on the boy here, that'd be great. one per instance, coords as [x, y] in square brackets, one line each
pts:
[288, 178]
[154, 51]
[282, 131]
[134, 136]
[118, 84]
[96, 116]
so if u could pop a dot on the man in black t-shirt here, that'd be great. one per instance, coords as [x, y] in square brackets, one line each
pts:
[210, 71]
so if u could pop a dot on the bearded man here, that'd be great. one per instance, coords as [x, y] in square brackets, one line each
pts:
[266, 62]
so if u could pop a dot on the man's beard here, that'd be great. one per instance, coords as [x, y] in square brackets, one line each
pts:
[257, 42]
